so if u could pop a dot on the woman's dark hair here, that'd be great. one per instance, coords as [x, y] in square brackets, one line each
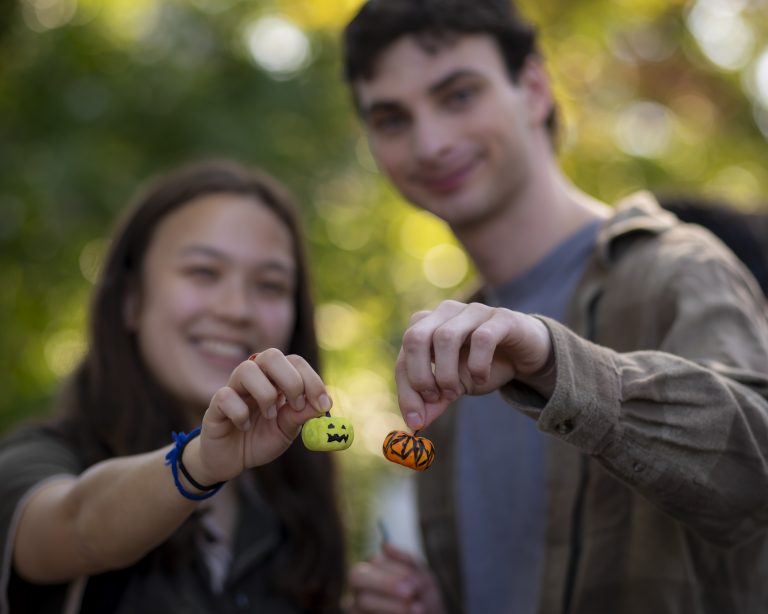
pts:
[112, 405]
[379, 23]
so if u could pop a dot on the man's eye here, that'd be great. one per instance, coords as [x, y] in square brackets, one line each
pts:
[460, 97]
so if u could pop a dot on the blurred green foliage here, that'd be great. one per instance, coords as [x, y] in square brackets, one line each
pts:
[98, 95]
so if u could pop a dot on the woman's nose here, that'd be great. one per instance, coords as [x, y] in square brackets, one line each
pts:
[232, 301]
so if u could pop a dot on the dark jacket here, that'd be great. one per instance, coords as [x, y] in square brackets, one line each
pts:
[32, 456]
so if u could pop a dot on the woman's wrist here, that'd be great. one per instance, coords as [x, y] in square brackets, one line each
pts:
[191, 461]
[186, 484]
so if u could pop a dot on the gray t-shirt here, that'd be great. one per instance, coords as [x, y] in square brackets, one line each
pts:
[501, 466]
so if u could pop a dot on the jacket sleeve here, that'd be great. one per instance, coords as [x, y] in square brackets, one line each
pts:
[685, 424]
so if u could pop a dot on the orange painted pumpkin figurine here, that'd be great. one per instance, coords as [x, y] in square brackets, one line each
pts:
[409, 450]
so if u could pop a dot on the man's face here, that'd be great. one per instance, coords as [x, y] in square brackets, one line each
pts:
[449, 127]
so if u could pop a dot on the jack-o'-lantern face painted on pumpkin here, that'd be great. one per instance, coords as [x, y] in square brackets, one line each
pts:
[327, 433]
[409, 450]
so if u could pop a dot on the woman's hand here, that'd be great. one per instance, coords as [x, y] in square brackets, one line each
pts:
[256, 416]
[470, 349]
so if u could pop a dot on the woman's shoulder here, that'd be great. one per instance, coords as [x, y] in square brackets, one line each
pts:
[35, 452]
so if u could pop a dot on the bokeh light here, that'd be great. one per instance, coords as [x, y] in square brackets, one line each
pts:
[63, 351]
[421, 231]
[338, 325]
[445, 265]
[278, 46]
[761, 78]
[91, 258]
[733, 183]
[41, 15]
[722, 33]
[644, 129]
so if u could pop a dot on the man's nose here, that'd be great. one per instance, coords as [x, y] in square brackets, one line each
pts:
[432, 139]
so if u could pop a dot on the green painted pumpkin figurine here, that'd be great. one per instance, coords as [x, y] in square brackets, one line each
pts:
[327, 433]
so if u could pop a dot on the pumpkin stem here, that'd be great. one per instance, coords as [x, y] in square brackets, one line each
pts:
[328, 414]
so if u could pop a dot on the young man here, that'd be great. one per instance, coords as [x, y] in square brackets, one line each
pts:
[623, 468]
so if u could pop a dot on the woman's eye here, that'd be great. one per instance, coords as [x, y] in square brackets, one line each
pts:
[202, 273]
[389, 124]
[273, 288]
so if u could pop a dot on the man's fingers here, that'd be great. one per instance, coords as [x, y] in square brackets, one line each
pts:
[417, 316]
[409, 400]
[449, 338]
[482, 347]
[416, 354]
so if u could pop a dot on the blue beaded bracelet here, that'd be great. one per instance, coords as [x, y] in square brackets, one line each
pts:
[173, 458]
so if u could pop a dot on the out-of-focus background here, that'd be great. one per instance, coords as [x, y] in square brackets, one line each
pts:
[98, 95]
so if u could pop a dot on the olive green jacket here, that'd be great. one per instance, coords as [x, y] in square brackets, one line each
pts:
[658, 466]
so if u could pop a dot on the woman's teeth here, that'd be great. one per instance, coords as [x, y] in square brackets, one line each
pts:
[225, 349]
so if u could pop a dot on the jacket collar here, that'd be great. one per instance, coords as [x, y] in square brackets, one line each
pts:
[637, 213]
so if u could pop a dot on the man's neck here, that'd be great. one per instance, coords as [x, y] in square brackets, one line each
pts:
[547, 212]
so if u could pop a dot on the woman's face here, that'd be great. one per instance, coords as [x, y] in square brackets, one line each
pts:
[218, 283]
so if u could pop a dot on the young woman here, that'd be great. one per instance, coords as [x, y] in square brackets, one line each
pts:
[119, 505]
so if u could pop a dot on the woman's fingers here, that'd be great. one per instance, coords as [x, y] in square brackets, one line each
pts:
[272, 380]
[228, 406]
[315, 392]
[255, 389]
[280, 374]
[392, 581]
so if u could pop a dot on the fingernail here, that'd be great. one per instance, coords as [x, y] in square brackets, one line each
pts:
[325, 402]
[413, 420]
[272, 412]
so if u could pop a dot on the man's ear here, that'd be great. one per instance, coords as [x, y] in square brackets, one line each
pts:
[534, 80]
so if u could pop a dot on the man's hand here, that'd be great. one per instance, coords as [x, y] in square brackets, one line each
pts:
[470, 349]
[393, 582]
